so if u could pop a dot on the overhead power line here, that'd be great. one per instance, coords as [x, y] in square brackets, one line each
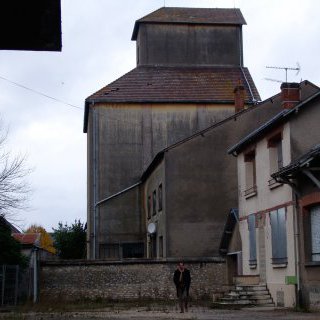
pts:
[40, 93]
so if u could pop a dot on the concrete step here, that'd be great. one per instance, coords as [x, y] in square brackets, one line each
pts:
[247, 296]
[251, 288]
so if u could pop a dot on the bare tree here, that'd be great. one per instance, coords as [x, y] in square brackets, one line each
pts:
[14, 187]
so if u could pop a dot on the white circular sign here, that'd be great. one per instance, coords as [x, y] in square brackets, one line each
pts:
[151, 228]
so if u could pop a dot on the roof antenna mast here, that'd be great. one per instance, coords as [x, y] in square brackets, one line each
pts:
[286, 69]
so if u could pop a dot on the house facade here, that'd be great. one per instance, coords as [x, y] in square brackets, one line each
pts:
[189, 62]
[270, 218]
[185, 203]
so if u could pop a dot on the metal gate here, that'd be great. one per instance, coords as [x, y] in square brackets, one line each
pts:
[15, 285]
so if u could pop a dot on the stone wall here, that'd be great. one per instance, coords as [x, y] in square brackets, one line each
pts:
[76, 280]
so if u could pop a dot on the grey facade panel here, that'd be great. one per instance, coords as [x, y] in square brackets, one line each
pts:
[189, 45]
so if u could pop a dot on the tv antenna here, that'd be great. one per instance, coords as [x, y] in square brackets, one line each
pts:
[298, 68]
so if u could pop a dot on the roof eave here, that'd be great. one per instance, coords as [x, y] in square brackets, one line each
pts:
[90, 101]
[138, 22]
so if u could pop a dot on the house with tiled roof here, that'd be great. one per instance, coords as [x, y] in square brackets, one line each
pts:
[279, 200]
[189, 63]
[31, 245]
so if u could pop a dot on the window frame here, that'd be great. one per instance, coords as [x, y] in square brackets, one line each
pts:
[250, 173]
[275, 147]
[154, 202]
[160, 198]
[149, 207]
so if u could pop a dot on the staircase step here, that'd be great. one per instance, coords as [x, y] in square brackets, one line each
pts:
[246, 296]
[251, 287]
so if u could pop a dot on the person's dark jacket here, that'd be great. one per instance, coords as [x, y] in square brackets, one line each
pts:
[186, 280]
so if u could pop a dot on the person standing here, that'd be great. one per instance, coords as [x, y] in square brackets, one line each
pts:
[182, 281]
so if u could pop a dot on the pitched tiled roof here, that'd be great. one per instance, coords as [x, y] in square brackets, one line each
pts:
[279, 118]
[27, 238]
[191, 16]
[177, 84]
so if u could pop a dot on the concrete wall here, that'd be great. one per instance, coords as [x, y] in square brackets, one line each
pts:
[201, 184]
[122, 141]
[124, 223]
[70, 281]
[163, 44]
[305, 128]
[156, 215]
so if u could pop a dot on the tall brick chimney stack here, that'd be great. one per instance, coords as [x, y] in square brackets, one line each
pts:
[290, 94]
[239, 97]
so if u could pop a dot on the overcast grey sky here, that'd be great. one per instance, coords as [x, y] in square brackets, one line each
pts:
[97, 50]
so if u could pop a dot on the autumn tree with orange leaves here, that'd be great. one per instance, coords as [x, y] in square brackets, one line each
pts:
[46, 241]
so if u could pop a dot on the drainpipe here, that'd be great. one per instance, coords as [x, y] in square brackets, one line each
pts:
[296, 247]
[95, 163]
[35, 275]
[296, 234]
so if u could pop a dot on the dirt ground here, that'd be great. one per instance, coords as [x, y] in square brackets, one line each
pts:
[161, 313]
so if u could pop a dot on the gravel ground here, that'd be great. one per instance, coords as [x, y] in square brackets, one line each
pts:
[166, 313]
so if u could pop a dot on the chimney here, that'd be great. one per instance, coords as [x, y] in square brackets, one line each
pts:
[290, 94]
[238, 97]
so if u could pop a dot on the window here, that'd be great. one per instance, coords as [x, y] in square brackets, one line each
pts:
[275, 155]
[149, 207]
[109, 251]
[161, 246]
[133, 250]
[250, 171]
[154, 202]
[279, 236]
[315, 233]
[160, 197]
[252, 240]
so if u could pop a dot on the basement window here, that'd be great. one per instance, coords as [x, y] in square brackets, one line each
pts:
[132, 250]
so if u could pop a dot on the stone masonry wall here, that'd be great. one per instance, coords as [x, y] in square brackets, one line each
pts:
[74, 280]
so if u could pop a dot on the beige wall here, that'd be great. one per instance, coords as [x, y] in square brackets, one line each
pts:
[266, 198]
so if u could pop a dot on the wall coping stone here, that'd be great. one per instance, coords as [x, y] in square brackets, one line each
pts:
[84, 262]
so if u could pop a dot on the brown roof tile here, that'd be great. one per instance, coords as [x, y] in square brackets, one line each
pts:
[147, 84]
[27, 238]
[191, 16]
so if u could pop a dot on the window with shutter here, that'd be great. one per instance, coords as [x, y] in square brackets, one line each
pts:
[252, 240]
[315, 233]
[279, 236]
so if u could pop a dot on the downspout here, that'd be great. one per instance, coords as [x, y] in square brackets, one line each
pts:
[296, 246]
[296, 235]
[35, 275]
[95, 162]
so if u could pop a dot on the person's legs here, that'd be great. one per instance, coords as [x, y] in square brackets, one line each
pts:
[181, 300]
[186, 303]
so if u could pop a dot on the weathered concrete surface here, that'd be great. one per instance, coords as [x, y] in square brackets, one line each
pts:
[195, 313]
